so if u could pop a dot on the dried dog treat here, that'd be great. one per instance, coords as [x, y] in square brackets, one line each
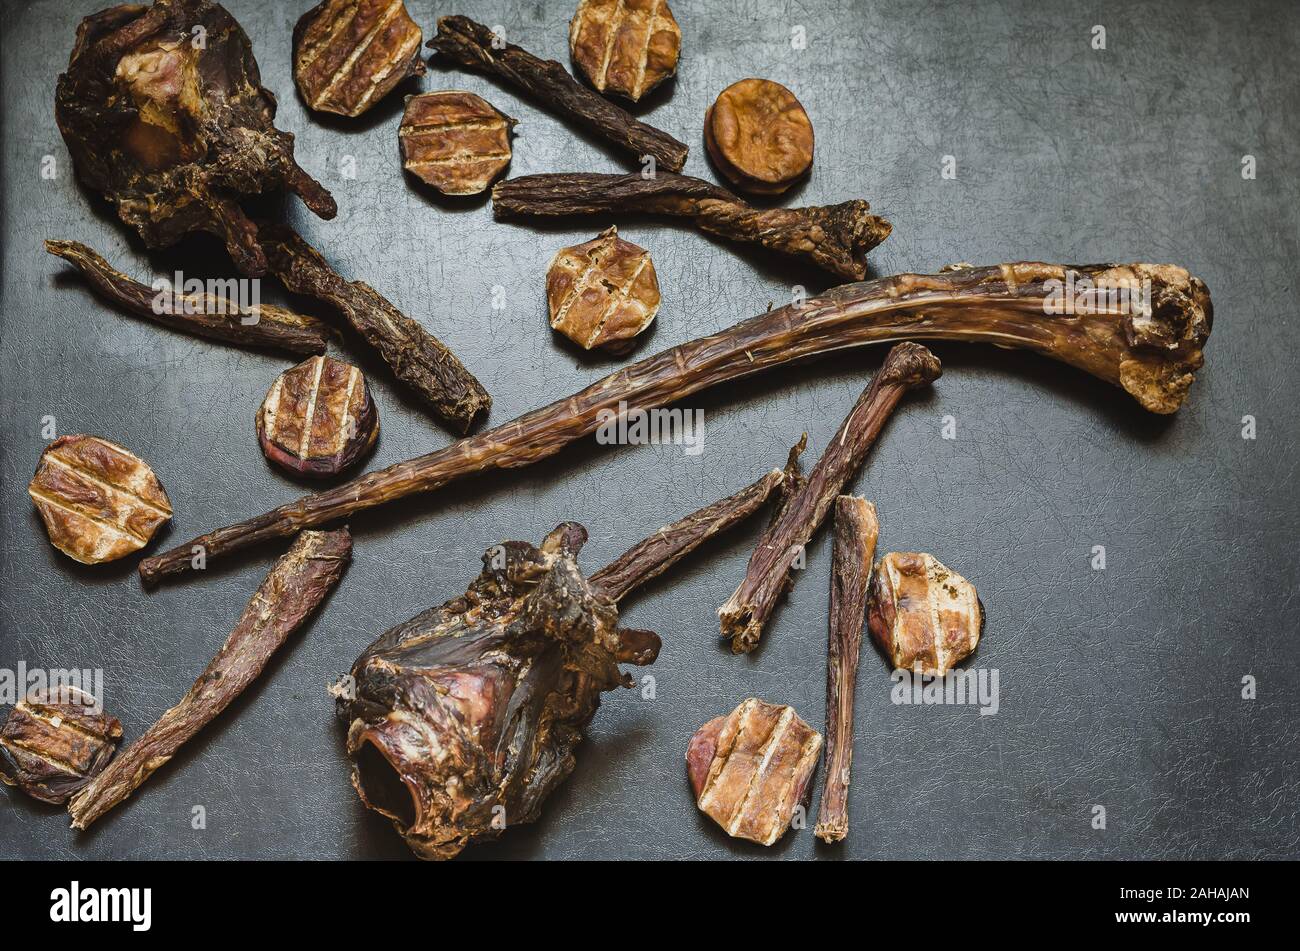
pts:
[759, 136]
[751, 769]
[349, 54]
[454, 140]
[289, 595]
[164, 113]
[204, 315]
[1153, 356]
[602, 293]
[98, 500]
[834, 237]
[907, 366]
[625, 46]
[471, 44]
[856, 531]
[55, 742]
[923, 616]
[318, 418]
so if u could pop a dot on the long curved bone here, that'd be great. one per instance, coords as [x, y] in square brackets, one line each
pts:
[1152, 354]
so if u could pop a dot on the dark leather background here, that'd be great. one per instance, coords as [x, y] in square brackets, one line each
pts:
[1119, 688]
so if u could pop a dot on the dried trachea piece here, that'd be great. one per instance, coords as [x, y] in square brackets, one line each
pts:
[349, 54]
[602, 293]
[289, 595]
[745, 613]
[55, 742]
[751, 769]
[625, 46]
[99, 501]
[417, 357]
[455, 141]
[471, 44]
[856, 531]
[834, 237]
[164, 113]
[925, 617]
[1152, 355]
[204, 315]
[318, 418]
[464, 719]
[759, 136]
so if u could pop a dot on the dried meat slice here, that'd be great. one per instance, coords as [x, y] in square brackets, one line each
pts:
[625, 46]
[602, 293]
[349, 54]
[455, 141]
[318, 418]
[98, 500]
[925, 617]
[56, 741]
[752, 768]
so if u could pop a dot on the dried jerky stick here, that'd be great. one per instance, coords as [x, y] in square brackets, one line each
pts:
[856, 530]
[204, 315]
[834, 237]
[656, 554]
[472, 44]
[296, 586]
[908, 365]
[416, 356]
[1152, 355]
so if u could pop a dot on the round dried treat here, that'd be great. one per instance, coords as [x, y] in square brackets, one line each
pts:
[98, 500]
[602, 293]
[455, 141]
[349, 54]
[625, 46]
[55, 742]
[318, 418]
[759, 136]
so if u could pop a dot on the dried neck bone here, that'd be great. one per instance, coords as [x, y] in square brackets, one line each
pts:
[465, 718]
[164, 113]
[1154, 357]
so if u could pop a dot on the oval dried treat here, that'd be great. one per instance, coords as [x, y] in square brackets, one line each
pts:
[759, 136]
[349, 54]
[455, 141]
[625, 46]
[602, 293]
[55, 742]
[98, 500]
[924, 616]
[318, 418]
[750, 769]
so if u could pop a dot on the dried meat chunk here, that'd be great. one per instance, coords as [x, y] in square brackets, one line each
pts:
[759, 136]
[626, 47]
[752, 768]
[56, 741]
[455, 141]
[602, 293]
[349, 54]
[925, 617]
[98, 500]
[164, 113]
[318, 418]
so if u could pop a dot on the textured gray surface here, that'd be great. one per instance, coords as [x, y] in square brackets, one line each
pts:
[1119, 688]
